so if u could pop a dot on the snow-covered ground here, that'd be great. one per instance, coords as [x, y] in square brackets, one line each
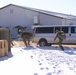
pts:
[39, 61]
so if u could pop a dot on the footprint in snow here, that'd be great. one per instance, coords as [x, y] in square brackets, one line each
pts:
[42, 68]
[35, 73]
[49, 74]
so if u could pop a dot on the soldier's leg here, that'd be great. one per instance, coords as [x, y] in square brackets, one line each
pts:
[28, 42]
[60, 44]
[25, 41]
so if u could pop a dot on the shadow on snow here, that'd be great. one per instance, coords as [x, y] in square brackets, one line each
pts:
[7, 57]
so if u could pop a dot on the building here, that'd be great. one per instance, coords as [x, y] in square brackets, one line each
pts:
[14, 15]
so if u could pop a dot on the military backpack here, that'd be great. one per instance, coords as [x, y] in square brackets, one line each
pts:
[62, 35]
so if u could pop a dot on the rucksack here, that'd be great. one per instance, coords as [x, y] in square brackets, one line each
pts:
[62, 35]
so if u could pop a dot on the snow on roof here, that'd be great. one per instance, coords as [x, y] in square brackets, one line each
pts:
[60, 15]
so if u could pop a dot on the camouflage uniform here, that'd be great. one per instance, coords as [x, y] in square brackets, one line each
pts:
[26, 41]
[26, 38]
[60, 40]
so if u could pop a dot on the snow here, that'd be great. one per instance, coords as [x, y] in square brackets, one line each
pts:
[39, 61]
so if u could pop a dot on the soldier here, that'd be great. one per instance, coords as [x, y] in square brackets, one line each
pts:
[58, 35]
[26, 37]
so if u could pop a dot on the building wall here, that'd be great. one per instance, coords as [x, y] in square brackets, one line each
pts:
[12, 16]
[50, 20]
[68, 22]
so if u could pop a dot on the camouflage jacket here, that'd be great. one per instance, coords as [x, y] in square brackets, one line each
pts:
[58, 36]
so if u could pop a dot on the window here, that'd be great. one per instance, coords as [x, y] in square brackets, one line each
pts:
[11, 11]
[65, 29]
[45, 30]
[36, 20]
[73, 29]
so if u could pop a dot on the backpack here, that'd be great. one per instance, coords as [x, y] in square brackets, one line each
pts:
[62, 35]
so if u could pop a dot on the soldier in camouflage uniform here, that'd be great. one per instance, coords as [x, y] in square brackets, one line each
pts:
[60, 39]
[26, 37]
[24, 34]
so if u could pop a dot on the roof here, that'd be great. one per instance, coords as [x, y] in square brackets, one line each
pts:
[60, 15]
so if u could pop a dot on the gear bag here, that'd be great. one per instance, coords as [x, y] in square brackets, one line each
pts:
[62, 35]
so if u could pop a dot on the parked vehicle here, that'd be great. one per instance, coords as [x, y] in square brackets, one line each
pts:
[44, 35]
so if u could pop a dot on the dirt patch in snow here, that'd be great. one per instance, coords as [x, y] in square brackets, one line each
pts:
[21, 43]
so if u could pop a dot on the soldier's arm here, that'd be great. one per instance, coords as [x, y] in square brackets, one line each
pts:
[55, 37]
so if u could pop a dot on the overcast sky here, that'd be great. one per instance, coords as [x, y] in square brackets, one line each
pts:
[61, 6]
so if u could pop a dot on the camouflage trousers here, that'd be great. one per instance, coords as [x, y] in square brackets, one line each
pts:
[26, 41]
[60, 44]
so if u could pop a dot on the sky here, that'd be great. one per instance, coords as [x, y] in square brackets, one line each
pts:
[39, 61]
[60, 6]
